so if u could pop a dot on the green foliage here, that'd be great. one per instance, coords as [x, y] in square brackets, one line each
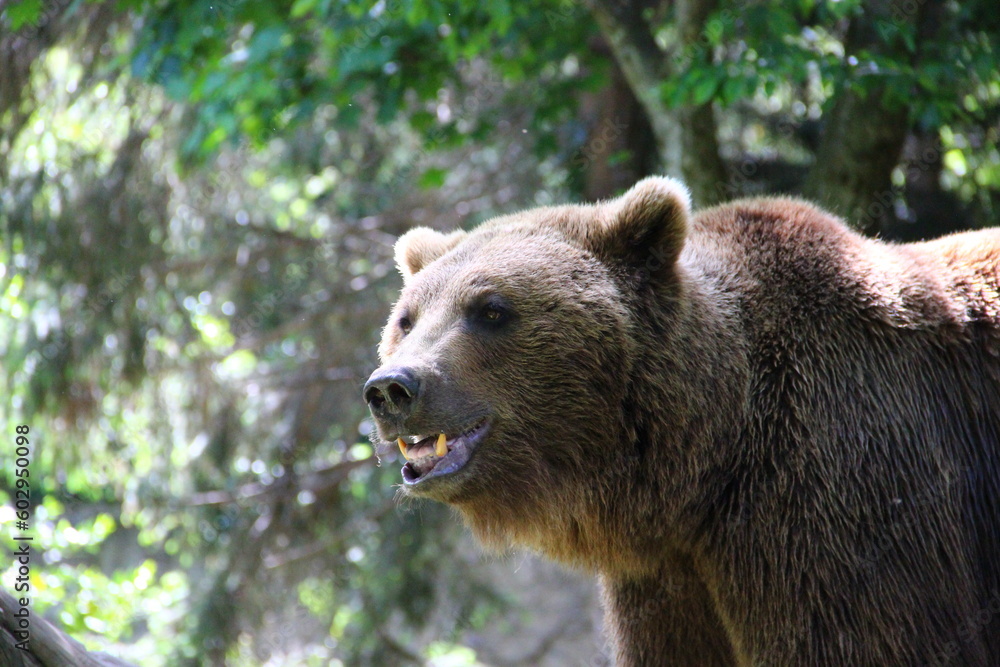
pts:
[23, 12]
[254, 70]
[802, 50]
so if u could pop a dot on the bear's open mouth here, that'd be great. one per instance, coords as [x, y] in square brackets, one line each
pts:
[435, 455]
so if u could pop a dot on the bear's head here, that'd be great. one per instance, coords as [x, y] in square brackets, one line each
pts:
[510, 361]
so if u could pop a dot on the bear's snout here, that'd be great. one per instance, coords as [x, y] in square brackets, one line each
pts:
[391, 393]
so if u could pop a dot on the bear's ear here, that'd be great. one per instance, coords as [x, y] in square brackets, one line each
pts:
[420, 246]
[644, 229]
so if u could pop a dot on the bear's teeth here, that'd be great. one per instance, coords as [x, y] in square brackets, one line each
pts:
[402, 448]
[440, 449]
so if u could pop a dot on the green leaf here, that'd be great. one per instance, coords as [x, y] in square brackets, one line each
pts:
[501, 15]
[422, 120]
[909, 38]
[432, 178]
[265, 43]
[705, 88]
[24, 12]
[389, 105]
[302, 7]
[732, 89]
[770, 85]
[364, 59]
[673, 91]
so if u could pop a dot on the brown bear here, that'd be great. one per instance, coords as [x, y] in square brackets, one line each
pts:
[776, 441]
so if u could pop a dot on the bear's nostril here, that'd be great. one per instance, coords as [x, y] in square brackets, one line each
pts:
[392, 392]
[398, 394]
[374, 398]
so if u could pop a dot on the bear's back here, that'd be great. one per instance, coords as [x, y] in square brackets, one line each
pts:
[796, 258]
[873, 405]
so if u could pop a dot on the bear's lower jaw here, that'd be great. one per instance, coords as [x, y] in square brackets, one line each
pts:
[421, 474]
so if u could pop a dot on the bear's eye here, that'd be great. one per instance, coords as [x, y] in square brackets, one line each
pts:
[493, 313]
[405, 325]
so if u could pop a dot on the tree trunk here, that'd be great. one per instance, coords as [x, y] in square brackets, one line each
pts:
[701, 163]
[863, 136]
[617, 124]
[687, 137]
[644, 65]
[704, 171]
[860, 147]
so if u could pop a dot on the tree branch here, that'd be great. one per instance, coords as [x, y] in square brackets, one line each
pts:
[48, 646]
[316, 482]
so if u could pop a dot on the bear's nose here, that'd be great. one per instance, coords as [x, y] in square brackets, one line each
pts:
[392, 392]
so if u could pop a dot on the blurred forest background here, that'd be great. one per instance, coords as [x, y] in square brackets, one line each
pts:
[198, 201]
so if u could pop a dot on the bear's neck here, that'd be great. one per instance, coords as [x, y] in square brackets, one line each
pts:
[693, 385]
[688, 393]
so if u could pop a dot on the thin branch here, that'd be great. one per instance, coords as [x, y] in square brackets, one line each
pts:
[315, 482]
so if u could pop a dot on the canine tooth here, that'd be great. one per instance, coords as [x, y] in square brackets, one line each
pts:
[440, 449]
[402, 448]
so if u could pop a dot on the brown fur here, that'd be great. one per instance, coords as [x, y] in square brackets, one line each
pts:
[778, 442]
